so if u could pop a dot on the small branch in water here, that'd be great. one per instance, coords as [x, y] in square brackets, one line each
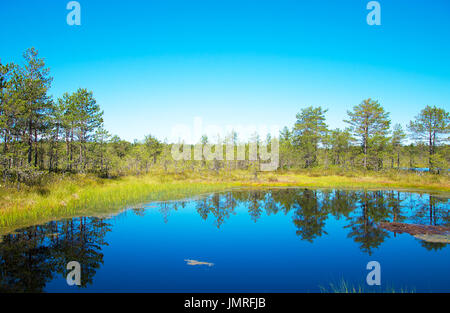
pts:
[195, 262]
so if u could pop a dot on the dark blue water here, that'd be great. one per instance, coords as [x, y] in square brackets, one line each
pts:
[281, 240]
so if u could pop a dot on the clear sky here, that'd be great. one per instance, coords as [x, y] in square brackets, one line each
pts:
[155, 64]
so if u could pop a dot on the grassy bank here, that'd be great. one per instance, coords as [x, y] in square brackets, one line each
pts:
[87, 195]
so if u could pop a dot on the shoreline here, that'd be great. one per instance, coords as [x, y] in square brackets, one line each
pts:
[87, 195]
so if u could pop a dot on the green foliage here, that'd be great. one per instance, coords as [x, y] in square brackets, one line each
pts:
[154, 147]
[310, 130]
[340, 141]
[398, 135]
[438, 162]
[40, 135]
[370, 123]
[431, 126]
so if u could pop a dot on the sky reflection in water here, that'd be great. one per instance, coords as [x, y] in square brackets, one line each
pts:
[281, 240]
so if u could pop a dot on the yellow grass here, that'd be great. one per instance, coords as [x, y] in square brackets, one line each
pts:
[80, 195]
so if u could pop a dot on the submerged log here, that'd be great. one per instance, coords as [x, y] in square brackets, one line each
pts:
[415, 229]
[195, 262]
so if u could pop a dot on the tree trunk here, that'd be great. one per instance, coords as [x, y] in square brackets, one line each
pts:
[71, 149]
[30, 141]
[35, 148]
[56, 145]
[430, 150]
[366, 135]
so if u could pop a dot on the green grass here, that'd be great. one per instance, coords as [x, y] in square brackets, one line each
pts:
[345, 287]
[84, 195]
[80, 195]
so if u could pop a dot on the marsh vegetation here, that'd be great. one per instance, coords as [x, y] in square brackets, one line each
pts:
[270, 239]
[57, 160]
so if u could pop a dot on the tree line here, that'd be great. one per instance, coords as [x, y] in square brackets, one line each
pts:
[369, 141]
[39, 134]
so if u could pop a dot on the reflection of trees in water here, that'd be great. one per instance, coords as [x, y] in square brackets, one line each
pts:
[432, 210]
[26, 263]
[363, 225]
[432, 246]
[394, 203]
[255, 204]
[220, 206]
[363, 210]
[286, 198]
[342, 203]
[35, 255]
[310, 215]
[166, 207]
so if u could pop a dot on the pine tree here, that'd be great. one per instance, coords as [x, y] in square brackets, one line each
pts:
[430, 126]
[309, 131]
[37, 105]
[370, 123]
[398, 135]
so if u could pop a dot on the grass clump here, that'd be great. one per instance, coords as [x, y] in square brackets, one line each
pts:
[345, 287]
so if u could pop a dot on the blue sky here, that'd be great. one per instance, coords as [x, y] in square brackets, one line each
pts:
[155, 64]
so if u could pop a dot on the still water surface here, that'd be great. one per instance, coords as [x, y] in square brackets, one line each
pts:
[278, 240]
